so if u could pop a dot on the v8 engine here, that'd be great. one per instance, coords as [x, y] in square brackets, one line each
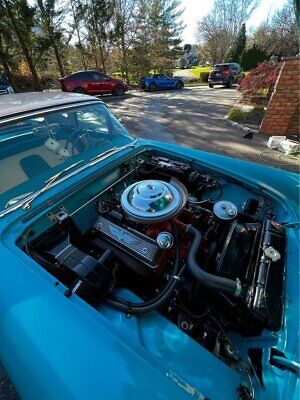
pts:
[202, 250]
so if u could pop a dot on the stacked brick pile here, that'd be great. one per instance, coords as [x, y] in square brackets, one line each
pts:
[282, 115]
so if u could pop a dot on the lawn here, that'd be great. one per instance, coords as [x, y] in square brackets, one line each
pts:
[197, 70]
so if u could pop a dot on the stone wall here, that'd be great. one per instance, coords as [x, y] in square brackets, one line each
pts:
[282, 115]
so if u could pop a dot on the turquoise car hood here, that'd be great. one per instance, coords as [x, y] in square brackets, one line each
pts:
[59, 348]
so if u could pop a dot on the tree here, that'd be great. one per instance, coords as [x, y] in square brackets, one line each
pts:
[20, 17]
[238, 46]
[164, 29]
[219, 29]
[280, 36]
[6, 44]
[297, 12]
[98, 14]
[50, 22]
[126, 20]
[5, 55]
[146, 35]
[140, 62]
[251, 57]
[78, 13]
[284, 24]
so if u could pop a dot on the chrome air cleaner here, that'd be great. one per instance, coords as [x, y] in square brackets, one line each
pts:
[153, 201]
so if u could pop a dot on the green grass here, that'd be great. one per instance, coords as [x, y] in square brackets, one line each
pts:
[237, 115]
[197, 70]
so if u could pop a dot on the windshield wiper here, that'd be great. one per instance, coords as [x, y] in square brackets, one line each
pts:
[48, 183]
[105, 153]
[17, 199]
[55, 177]
[26, 202]
[108, 153]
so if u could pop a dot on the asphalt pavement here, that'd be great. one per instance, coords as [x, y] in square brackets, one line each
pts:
[194, 117]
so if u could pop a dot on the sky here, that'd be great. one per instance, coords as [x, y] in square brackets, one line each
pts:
[196, 9]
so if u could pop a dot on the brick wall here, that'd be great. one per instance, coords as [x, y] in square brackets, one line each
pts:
[282, 115]
[294, 124]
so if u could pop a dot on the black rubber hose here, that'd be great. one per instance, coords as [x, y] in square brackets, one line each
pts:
[203, 277]
[152, 304]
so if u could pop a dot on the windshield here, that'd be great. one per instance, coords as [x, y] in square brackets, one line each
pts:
[221, 67]
[35, 148]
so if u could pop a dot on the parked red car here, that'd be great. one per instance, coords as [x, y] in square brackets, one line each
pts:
[92, 82]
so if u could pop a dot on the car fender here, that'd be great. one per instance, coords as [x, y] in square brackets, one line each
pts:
[54, 348]
[148, 81]
[178, 81]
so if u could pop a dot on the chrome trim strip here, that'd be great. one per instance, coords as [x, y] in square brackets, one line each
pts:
[16, 136]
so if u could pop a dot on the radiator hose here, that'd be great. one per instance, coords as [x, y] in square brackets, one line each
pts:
[203, 277]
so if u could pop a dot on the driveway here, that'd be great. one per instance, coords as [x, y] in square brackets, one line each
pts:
[194, 117]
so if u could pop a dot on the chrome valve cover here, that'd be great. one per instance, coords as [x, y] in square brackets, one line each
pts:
[153, 200]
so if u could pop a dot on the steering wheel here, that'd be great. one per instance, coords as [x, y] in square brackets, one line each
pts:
[85, 139]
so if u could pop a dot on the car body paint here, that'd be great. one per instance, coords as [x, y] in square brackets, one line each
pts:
[55, 347]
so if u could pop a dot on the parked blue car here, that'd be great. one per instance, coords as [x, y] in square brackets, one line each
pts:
[160, 81]
[133, 269]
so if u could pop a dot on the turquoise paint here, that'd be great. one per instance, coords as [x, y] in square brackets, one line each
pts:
[59, 348]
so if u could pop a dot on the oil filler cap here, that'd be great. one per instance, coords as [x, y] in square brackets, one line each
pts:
[225, 210]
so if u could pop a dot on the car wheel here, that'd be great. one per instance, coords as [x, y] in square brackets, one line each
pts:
[179, 85]
[119, 90]
[211, 85]
[229, 84]
[152, 86]
[79, 90]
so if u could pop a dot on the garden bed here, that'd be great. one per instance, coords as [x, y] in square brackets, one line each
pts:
[256, 89]
[249, 116]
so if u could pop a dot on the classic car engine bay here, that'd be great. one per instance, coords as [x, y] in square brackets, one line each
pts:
[179, 238]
